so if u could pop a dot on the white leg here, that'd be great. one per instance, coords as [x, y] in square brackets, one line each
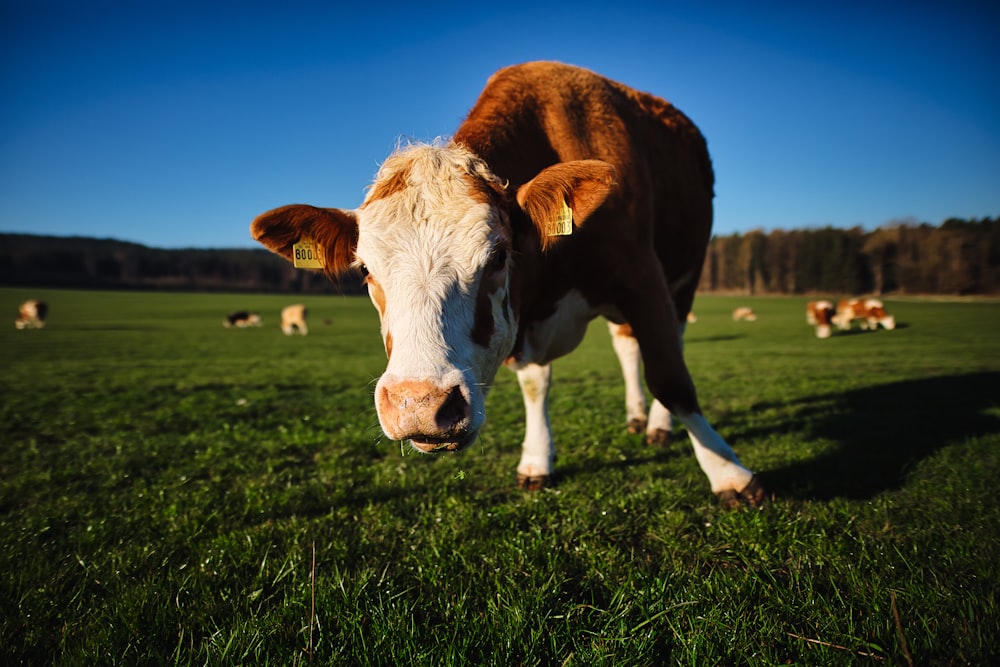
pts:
[661, 423]
[630, 358]
[717, 460]
[537, 450]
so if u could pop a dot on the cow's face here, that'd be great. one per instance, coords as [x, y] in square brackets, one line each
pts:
[435, 241]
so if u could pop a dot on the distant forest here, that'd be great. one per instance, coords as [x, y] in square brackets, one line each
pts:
[955, 257]
[75, 261]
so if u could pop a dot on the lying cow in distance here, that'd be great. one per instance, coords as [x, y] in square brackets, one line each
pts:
[293, 319]
[820, 314]
[562, 197]
[242, 319]
[871, 312]
[744, 313]
[31, 314]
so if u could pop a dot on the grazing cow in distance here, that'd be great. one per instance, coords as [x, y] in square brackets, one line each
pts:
[744, 313]
[293, 319]
[242, 319]
[562, 197]
[871, 312]
[692, 317]
[820, 314]
[31, 314]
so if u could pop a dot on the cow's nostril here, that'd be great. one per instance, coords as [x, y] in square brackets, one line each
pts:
[453, 411]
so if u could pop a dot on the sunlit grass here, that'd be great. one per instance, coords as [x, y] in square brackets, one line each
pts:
[165, 482]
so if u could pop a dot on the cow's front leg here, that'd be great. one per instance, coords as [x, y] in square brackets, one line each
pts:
[630, 359]
[537, 450]
[659, 424]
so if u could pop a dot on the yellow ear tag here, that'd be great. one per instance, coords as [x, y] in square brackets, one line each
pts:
[562, 225]
[307, 254]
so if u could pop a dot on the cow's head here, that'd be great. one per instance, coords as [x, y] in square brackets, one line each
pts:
[435, 239]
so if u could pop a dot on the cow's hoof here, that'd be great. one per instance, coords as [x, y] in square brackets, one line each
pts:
[533, 482]
[752, 495]
[636, 425]
[658, 437]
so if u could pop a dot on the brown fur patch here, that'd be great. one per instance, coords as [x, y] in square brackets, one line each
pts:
[389, 186]
[485, 192]
[378, 298]
[377, 295]
[625, 331]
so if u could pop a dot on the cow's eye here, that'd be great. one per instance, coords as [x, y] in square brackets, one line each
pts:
[363, 268]
[498, 259]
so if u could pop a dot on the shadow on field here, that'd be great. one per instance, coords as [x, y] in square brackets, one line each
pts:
[858, 331]
[882, 432]
[689, 339]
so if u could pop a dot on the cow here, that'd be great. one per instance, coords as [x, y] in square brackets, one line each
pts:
[242, 319]
[293, 319]
[744, 313]
[31, 314]
[871, 312]
[820, 314]
[563, 196]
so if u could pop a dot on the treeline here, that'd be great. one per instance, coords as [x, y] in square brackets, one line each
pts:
[57, 261]
[956, 257]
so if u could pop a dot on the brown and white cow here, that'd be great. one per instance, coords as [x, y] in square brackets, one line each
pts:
[744, 313]
[563, 196]
[242, 319]
[31, 314]
[293, 319]
[820, 314]
[871, 312]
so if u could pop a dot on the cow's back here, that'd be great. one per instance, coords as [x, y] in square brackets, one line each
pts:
[534, 115]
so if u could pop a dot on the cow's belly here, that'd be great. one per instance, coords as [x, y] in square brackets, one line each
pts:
[558, 334]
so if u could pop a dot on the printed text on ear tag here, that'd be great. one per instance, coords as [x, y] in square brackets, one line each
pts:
[306, 254]
[562, 225]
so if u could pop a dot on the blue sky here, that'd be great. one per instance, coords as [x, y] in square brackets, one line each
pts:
[174, 124]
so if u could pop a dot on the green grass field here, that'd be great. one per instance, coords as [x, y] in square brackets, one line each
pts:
[173, 492]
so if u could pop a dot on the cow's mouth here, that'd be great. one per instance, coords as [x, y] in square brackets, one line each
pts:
[430, 445]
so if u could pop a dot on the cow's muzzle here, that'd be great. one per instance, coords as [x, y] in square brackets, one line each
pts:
[434, 418]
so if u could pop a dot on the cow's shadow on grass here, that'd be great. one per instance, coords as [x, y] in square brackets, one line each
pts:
[721, 338]
[881, 433]
[856, 330]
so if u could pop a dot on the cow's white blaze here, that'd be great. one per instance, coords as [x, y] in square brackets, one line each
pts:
[435, 248]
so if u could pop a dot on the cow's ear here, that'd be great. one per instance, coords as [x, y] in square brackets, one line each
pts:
[582, 185]
[334, 230]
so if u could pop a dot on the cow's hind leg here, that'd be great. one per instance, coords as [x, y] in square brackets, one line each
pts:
[731, 482]
[655, 327]
[658, 424]
[537, 451]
